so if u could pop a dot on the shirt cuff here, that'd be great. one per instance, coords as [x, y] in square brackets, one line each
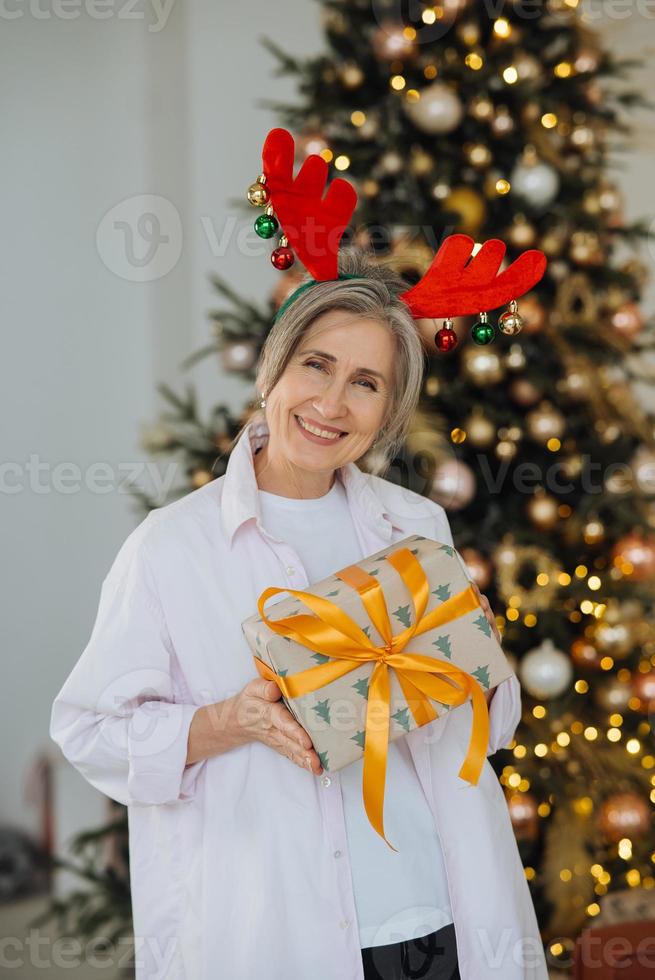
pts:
[504, 714]
[157, 741]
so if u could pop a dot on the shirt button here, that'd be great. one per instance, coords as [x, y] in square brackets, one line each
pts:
[325, 780]
[290, 569]
[337, 854]
[344, 923]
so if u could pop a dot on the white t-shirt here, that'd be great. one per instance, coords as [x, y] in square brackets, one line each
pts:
[398, 895]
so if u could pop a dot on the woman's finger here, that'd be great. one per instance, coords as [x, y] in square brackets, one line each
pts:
[288, 726]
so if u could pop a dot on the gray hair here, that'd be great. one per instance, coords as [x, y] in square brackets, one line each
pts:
[372, 293]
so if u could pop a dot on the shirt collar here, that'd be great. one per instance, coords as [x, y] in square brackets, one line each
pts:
[240, 500]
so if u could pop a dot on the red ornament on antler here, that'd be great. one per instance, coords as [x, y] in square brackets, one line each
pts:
[313, 225]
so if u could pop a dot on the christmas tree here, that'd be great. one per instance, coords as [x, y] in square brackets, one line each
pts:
[447, 118]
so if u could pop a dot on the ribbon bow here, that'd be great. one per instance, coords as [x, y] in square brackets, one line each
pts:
[333, 633]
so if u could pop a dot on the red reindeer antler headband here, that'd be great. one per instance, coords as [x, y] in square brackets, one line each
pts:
[312, 226]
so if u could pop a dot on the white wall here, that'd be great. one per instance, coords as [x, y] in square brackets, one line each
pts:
[95, 112]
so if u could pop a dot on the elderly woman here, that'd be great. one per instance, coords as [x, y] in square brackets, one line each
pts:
[247, 860]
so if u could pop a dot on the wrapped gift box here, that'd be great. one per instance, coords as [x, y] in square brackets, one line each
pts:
[335, 715]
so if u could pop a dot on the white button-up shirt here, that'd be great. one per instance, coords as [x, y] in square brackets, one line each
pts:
[239, 863]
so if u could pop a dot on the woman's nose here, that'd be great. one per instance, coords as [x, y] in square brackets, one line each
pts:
[331, 403]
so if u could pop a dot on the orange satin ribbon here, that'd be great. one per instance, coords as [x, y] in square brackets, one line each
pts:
[336, 635]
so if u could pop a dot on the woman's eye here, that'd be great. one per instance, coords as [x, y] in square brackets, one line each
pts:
[318, 364]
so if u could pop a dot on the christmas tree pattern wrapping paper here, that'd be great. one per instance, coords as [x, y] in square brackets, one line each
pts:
[335, 714]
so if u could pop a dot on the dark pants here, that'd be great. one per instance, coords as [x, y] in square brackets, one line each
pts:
[432, 957]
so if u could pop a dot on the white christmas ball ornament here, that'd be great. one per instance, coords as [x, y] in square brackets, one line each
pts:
[545, 672]
[453, 484]
[535, 183]
[437, 110]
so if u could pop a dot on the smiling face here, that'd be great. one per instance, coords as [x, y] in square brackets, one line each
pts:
[339, 380]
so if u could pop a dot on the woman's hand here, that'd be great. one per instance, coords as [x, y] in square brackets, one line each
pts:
[491, 619]
[261, 716]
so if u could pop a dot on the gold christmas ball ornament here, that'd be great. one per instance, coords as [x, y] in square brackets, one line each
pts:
[392, 42]
[523, 813]
[542, 511]
[634, 554]
[524, 392]
[591, 202]
[555, 240]
[624, 815]
[257, 193]
[545, 422]
[421, 163]
[611, 694]
[481, 107]
[482, 367]
[470, 206]
[480, 430]
[627, 320]
[522, 234]
[586, 249]
[510, 322]
[479, 567]
[370, 188]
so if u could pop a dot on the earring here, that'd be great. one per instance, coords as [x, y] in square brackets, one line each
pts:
[262, 403]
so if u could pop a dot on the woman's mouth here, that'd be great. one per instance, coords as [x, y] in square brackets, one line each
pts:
[313, 433]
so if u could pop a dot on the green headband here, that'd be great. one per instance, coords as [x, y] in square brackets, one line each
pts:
[310, 282]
